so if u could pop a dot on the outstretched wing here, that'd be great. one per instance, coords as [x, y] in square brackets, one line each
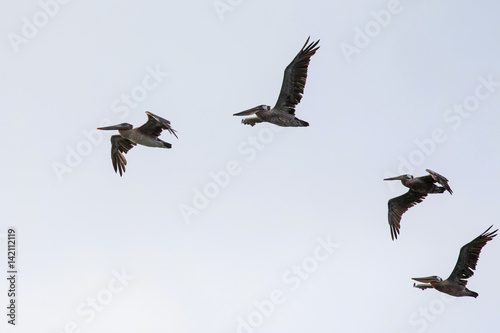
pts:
[120, 145]
[467, 259]
[294, 78]
[440, 179]
[155, 125]
[398, 206]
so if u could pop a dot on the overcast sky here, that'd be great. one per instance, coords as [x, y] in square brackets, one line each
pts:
[241, 229]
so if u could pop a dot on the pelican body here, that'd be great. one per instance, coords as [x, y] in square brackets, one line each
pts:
[133, 134]
[444, 286]
[419, 187]
[294, 80]
[145, 135]
[455, 284]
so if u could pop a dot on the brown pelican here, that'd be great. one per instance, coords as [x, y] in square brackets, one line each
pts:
[455, 284]
[419, 188]
[146, 135]
[294, 80]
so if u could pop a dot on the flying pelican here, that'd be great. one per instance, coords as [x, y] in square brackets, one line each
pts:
[419, 188]
[455, 284]
[294, 80]
[146, 135]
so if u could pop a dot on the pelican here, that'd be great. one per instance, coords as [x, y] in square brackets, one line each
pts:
[294, 80]
[419, 188]
[146, 135]
[455, 284]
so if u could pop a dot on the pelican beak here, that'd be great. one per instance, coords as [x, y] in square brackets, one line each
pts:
[110, 128]
[427, 279]
[395, 178]
[249, 111]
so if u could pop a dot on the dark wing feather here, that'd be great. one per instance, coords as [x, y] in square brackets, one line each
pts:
[398, 206]
[120, 145]
[294, 78]
[155, 125]
[467, 259]
[440, 179]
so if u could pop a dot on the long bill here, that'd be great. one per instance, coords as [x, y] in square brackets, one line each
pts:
[251, 111]
[110, 128]
[395, 178]
[427, 279]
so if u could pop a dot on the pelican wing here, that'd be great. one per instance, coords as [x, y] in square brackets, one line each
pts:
[398, 206]
[155, 125]
[440, 179]
[467, 259]
[294, 78]
[120, 145]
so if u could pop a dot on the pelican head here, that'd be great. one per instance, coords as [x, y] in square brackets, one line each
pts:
[402, 177]
[122, 126]
[253, 110]
[429, 279]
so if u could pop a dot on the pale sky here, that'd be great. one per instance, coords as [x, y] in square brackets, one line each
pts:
[241, 229]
